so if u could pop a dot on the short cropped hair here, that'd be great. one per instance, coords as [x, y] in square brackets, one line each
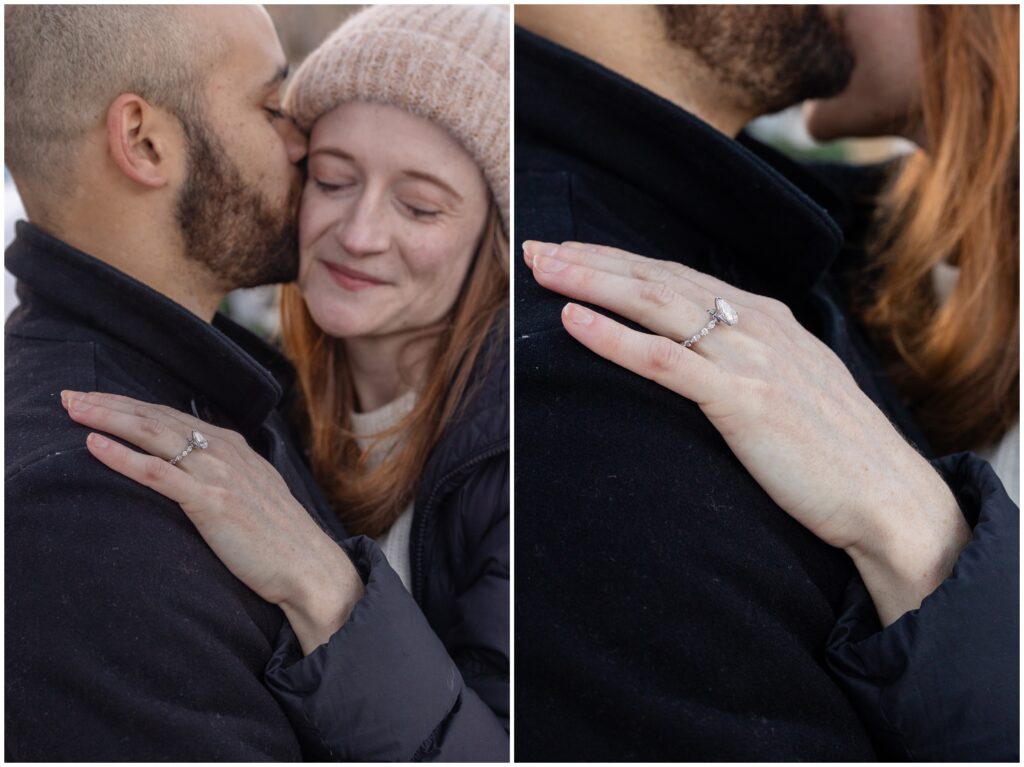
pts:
[65, 64]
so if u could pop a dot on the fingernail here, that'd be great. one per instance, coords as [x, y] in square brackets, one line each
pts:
[548, 264]
[540, 248]
[80, 405]
[99, 442]
[64, 399]
[577, 315]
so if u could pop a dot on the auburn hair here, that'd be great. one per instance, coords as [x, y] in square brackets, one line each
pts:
[369, 499]
[957, 360]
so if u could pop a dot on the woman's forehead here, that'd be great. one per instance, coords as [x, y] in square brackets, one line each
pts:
[382, 131]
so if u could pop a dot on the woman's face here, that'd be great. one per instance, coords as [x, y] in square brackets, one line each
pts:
[391, 215]
[884, 94]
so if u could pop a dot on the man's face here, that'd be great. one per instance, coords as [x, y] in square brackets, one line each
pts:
[775, 55]
[238, 208]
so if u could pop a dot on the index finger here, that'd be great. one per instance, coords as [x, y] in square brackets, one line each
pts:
[605, 255]
[142, 409]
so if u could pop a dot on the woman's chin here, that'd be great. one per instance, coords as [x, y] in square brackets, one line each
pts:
[832, 119]
[824, 119]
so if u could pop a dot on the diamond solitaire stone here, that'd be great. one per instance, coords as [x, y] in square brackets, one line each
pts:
[200, 440]
[722, 312]
[725, 312]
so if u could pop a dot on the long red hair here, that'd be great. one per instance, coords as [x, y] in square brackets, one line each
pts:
[369, 500]
[957, 361]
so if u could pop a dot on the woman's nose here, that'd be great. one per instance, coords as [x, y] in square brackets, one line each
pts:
[294, 140]
[364, 232]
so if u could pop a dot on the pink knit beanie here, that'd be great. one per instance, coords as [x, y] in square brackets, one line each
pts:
[447, 63]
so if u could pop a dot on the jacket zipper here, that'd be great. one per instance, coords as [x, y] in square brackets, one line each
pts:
[421, 515]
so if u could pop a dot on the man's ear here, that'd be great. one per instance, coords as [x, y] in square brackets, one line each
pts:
[139, 138]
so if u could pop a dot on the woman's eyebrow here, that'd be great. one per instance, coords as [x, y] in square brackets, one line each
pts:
[333, 153]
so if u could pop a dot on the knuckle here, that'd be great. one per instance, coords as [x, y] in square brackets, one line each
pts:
[155, 470]
[650, 271]
[584, 277]
[663, 354]
[641, 270]
[777, 310]
[759, 322]
[219, 497]
[153, 427]
[222, 474]
[147, 411]
[236, 440]
[568, 254]
[615, 341]
[656, 293]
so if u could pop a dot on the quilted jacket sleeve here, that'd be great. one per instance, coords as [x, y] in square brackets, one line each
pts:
[384, 687]
[941, 683]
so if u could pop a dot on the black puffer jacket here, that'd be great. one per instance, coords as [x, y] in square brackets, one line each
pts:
[347, 706]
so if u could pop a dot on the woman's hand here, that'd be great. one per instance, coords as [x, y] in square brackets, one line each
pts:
[238, 503]
[785, 404]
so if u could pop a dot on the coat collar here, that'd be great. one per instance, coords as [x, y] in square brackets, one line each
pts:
[761, 214]
[222, 362]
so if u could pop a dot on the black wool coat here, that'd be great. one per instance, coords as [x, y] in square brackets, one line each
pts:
[666, 608]
[127, 639]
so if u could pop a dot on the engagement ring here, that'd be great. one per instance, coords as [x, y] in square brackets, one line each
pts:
[196, 440]
[723, 312]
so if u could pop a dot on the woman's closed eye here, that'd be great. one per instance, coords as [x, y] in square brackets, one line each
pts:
[422, 213]
[332, 186]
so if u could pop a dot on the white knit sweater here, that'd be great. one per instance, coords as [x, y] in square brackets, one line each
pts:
[395, 542]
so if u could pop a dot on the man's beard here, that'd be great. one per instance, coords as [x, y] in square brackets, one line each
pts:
[244, 239]
[775, 56]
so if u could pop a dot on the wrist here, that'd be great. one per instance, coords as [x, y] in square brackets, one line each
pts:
[323, 598]
[912, 547]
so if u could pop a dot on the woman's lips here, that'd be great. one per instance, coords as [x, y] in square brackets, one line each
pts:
[350, 279]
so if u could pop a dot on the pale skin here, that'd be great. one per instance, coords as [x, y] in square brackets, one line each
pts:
[406, 212]
[883, 97]
[784, 403]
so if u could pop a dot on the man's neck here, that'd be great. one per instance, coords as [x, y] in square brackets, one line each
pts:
[631, 40]
[145, 254]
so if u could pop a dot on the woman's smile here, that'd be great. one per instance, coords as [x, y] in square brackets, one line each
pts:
[351, 279]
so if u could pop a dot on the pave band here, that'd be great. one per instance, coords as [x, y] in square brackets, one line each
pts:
[722, 313]
[194, 441]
